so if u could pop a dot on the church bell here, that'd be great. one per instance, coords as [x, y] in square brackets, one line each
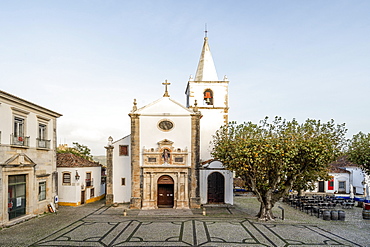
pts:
[207, 97]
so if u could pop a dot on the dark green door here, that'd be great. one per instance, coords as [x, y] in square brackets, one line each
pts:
[16, 196]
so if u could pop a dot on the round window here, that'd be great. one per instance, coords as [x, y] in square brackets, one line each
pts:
[165, 125]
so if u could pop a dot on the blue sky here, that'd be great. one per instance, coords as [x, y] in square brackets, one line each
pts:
[89, 59]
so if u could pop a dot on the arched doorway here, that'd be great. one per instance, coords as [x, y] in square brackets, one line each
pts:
[216, 188]
[165, 192]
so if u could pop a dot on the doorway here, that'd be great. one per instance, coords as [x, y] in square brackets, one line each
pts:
[165, 196]
[16, 196]
[83, 193]
[216, 188]
[321, 186]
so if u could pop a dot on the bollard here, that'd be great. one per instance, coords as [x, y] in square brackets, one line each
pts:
[282, 212]
[124, 212]
[204, 212]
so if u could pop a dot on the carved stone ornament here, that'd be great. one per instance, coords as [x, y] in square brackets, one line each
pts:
[165, 125]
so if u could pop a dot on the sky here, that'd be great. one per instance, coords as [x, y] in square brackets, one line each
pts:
[89, 60]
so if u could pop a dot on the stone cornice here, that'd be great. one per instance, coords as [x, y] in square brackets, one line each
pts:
[227, 82]
[210, 108]
[28, 105]
[17, 110]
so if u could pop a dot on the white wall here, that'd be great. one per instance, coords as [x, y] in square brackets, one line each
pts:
[211, 121]
[121, 169]
[356, 178]
[72, 193]
[69, 193]
[150, 134]
[213, 116]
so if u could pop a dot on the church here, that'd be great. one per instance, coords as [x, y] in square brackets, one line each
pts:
[166, 162]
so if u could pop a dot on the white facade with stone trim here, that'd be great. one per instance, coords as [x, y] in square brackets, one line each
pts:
[185, 132]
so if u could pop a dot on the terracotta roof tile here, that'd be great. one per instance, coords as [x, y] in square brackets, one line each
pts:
[72, 160]
[339, 165]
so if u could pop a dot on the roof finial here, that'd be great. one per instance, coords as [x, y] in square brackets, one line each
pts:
[195, 105]
[205, 31]
[166, 83]
[134, 108]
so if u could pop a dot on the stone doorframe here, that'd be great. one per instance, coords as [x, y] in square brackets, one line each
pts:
[150, 189]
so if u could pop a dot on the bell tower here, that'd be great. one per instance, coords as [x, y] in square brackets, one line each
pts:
[210, 95]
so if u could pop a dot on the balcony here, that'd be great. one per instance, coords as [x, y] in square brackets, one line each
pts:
[43, 144]
[20, 141]
[89, 182]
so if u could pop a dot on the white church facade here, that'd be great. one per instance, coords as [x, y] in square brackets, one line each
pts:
[166, 160]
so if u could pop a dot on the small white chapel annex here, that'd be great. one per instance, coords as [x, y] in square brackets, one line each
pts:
[165, 161]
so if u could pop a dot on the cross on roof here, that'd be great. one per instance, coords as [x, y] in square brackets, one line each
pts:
[166, 83]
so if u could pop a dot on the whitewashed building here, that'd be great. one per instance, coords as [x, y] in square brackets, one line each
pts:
[28, 177]
[122, 173]
[80, 180]
[166, 160]
[344, 175]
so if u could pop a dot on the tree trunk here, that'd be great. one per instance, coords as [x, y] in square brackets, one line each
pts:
[266, 206]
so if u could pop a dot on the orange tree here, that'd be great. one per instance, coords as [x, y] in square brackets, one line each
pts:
[271, 157]
[359, 151]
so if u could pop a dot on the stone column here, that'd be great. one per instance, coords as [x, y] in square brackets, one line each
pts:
[109, 183]
[136, 181]
[195, 160]
[152, 187]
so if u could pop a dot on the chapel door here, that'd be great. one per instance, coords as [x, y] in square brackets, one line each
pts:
[216, 188]
[165, 197]
[16, 196]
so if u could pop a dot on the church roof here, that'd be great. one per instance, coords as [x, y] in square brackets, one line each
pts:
[164, 106]
[206, 70]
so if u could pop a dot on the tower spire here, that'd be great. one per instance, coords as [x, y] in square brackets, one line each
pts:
[206, 70]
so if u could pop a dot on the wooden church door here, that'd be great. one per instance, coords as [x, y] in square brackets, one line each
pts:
[216, 188]
[165, 198]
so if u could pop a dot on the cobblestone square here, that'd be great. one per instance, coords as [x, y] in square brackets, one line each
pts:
[97, 225]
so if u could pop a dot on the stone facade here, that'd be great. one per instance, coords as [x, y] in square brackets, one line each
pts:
[28, 174]
[149, 156]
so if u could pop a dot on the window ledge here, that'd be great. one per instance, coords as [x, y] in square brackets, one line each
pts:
[45, 149]
[19, 146]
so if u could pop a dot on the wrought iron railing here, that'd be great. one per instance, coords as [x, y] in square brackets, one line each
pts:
[89, 182]
[41, 143]
[19, 140]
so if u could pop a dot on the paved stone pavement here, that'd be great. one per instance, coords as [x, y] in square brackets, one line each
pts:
[97, 225]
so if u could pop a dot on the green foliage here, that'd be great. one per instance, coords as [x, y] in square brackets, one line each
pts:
[272, 157]
[77, 149]
[359, 151]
